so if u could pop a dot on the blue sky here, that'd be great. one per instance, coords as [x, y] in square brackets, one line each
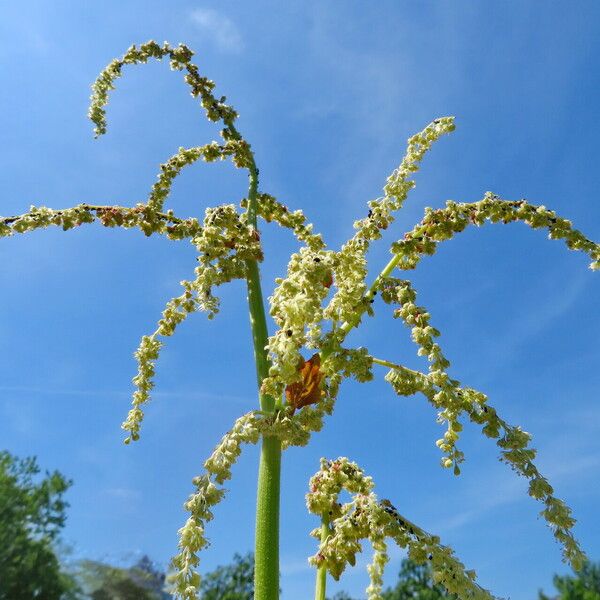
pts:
[328, 92]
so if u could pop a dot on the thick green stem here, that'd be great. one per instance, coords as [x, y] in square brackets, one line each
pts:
[321, 582]
[258, 324]
[266, 557]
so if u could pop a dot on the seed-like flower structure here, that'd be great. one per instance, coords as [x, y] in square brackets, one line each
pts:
[514, 444]
[367, 518]
[148, 220]
[179, 59]
[442, 224]
[224, 244]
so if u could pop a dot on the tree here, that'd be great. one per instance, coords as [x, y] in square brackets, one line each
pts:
[32, 514]
[230, 582]
[415, 581]
[324, 295]
[342, 596]
[142, 581]
[584, 585]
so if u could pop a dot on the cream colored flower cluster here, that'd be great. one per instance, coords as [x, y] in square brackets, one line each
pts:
[442, 224]
[180, 59]
[297, 309]
[298, 302]
[216, 109]
[453, 402]
[185, 157]
[512, 441]
[364, 517]
[224, 244]
[291, 429]
[146, 356]
[270, 209]
[350, 300]
[185, 579]
[148, 220]
[398, 291]
[400, 182]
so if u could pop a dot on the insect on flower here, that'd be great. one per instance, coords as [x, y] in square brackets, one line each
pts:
[308, 389]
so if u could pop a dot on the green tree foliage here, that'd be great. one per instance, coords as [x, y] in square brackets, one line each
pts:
[230, 582]
[584, 585]
[415, 582]
[143, 581]
[32, 514]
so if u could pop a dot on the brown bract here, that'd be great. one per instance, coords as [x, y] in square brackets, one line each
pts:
[308, 389]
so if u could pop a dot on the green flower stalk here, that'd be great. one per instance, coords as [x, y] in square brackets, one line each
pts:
[302, 361]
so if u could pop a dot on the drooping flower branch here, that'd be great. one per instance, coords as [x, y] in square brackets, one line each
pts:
[225, 243]
[148, 220]
[367, 518]
[179, 59]
[185, 157]
[301, 365]
[514, 444]
[185, 579]
[442, 224]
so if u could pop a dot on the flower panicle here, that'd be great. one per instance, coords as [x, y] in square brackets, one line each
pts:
[292, 429]
[146, 356]
[224, 243]
[417, 318]
[351, 298]
[271, 210]
[179, 60]
[216, 109]
[365, 517]
[400, 182]
[297, 309]
[184, 579]
[442, 224]
[237, 149]
[140, 216]
[514, 444]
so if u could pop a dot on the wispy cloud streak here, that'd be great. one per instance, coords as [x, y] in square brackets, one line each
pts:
[219, 28]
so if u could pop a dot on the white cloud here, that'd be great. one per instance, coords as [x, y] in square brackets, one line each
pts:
[222, 30]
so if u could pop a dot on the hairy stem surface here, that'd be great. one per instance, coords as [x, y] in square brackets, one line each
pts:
[266, 568]
[321, 582]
